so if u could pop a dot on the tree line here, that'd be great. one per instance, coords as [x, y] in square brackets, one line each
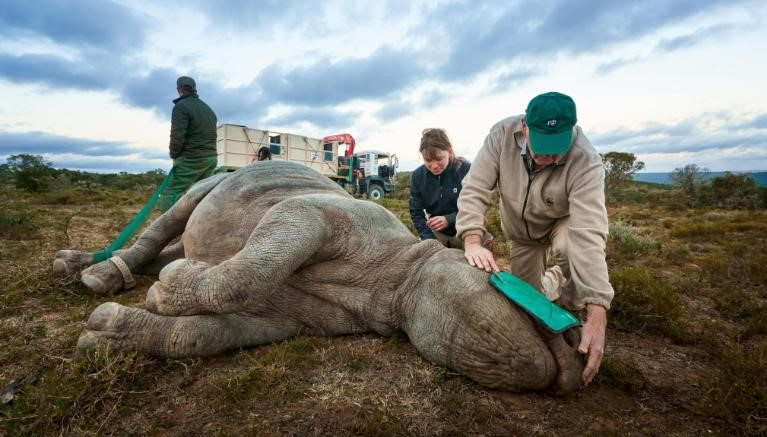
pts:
[691, 183]
[32, 173]
[693, 186]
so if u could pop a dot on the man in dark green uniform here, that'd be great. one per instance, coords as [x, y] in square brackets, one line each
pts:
[192, 142]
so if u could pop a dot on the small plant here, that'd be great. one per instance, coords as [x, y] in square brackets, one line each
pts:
[621, 374]
[644, 302]
[629, 242]
[756, 323]
[18, 224]
[736, 390]
[71, 395]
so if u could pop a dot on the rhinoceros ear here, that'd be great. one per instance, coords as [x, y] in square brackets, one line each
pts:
[551, 316]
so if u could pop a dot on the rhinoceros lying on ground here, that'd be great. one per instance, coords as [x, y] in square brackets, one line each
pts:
[276, 249]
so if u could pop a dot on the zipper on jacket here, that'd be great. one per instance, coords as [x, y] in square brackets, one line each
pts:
[530, 176]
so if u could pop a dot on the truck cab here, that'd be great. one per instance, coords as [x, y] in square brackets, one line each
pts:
[375, 173]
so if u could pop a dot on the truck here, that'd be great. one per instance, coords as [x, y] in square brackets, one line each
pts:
[369, 173]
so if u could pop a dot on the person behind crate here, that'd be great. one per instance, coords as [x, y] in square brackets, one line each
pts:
[434, 188]
[192, 142]
[551, 184]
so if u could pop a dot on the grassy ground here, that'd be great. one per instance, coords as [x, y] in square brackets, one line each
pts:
[686, 352]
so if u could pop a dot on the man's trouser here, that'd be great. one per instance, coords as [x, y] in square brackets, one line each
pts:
[186, 171]
[529, 263]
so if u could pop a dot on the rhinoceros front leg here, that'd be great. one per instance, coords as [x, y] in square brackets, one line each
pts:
[288, 235]
[105, 276]
[288, 312]
[134, 329]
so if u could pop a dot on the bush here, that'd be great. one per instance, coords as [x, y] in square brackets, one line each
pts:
[736, 392]
[734, 191]
[18, 224]
[619, 170]
[691, 181]
[31, 172]
[643, 302]
[629, 242]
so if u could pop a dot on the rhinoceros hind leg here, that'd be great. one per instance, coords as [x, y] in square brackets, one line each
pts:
[270, 255]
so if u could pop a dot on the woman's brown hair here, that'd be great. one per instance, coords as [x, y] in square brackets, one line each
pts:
[435, 140]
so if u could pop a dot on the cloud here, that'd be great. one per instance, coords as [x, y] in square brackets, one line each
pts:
[107, 164]
[694, 38]
[328, 82]
[64, 151]
[482, 37]
[609, 67]
[86, 24]
[325, 118]
[515, 77]
[462, 39]
[758, 122]
[692, 135]
[52, 71]
[393, 110]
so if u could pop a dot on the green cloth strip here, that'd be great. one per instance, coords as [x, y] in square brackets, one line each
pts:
[134, 225]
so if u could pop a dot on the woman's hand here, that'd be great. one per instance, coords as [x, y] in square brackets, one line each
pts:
[437, 222]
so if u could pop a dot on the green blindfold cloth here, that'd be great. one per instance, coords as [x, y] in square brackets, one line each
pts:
[551, 316]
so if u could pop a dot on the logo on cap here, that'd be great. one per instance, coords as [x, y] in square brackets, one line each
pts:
[551, 123]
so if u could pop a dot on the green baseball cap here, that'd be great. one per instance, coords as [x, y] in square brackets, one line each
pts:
[186, 81]
[550, 118]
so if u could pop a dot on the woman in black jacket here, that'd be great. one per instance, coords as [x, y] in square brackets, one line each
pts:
[434, 189]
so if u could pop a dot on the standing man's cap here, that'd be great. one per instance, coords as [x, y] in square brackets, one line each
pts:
[550, 118]
[186, 81]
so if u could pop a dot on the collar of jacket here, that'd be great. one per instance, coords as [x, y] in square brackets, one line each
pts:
[522, 144]
[185, 96]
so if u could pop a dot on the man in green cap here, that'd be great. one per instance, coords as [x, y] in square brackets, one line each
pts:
[192, 142]
[551, 184]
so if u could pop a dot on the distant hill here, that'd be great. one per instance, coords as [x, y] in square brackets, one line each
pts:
[665, 178]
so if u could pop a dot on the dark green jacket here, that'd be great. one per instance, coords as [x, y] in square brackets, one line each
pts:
[192, 128]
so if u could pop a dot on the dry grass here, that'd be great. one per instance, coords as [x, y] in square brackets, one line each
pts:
[685, 352]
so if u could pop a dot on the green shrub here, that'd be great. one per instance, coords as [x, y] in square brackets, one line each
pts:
[735, 191]
[644, 302]
[78, 394]
[629, 242]
[18, 224]
[621, 374]
[736, 390]
[756, 323]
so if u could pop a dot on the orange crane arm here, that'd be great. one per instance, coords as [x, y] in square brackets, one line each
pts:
[344, 139]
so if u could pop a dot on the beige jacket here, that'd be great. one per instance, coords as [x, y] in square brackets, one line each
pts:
[530, 205]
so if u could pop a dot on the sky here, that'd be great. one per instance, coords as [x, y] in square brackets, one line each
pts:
[89, 84]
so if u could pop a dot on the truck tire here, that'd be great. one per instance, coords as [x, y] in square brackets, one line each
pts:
[375, 192]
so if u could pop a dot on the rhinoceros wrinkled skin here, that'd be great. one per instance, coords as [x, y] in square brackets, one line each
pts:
[276, 249]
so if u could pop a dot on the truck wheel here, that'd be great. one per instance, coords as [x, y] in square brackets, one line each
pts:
[375, 192]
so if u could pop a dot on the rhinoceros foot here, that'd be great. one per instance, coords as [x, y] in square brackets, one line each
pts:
[180, 289]
[103, 278]
[101, 327]
[69, 262]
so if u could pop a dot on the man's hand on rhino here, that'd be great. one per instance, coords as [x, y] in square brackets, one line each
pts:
[437, 222]
[478, 256]
[593, 340]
